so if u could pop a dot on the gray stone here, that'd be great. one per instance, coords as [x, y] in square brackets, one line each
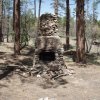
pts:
[48, 52]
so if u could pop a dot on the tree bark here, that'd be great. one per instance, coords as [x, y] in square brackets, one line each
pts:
[67, 23]
[80, 32]
[35, 8]
[94, 19]
[56, 7]
[17, 27]
[8, 21]
[13, 14]
[1, 35]
[39, 12]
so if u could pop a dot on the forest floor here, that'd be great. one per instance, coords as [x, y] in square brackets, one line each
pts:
[82, 84]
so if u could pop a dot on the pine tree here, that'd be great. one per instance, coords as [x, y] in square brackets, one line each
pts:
[17, 26]
[80, 32]
[56, 7]
[1, 35]
[67, 23]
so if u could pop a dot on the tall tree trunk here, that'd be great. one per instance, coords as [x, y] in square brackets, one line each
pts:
[56, 7]
[3, 19]
[35, 8]
[1, 35]
[8, 29]
[94, 6]
[87, 16]
[17, 27]
[26, 30]
[39, 12]
[13, 14]
[8, 20]
[80, 32]
[67, 23]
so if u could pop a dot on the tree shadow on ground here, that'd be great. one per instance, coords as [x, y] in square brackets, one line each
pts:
[9, 61]
[93, 58]
[28, 51]
[2, 55]
[6, 71]
[70, 54]
[26, 59]
[65, 47]
[27, 62]
[52, 83]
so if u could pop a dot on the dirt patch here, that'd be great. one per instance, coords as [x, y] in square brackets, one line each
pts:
[83, 83]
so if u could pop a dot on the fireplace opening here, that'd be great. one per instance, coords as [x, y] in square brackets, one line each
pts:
[47, 56]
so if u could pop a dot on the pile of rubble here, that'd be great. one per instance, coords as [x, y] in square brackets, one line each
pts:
[50, 69]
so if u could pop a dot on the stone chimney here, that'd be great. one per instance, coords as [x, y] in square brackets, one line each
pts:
[48, 56]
